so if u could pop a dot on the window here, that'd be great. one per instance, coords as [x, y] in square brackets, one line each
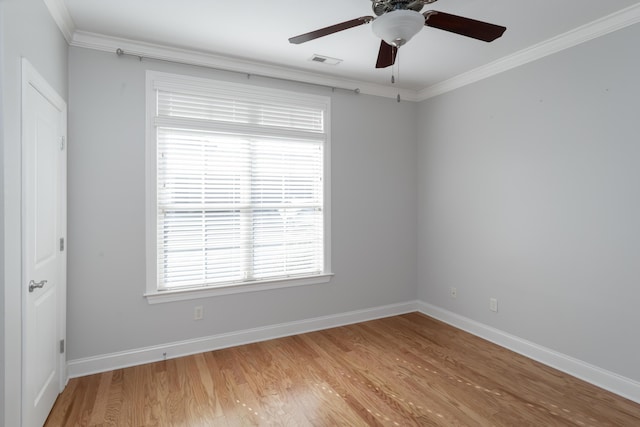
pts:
[237, 188]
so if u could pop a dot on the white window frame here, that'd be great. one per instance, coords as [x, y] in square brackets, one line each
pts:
[155, 295]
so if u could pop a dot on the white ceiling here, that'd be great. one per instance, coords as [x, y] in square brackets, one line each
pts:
[258, 31]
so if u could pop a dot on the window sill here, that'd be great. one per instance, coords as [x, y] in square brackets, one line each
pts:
[158, 297]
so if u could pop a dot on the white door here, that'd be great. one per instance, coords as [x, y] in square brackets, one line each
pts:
[43, 239]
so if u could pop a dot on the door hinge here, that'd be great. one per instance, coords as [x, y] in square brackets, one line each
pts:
[61, 244]
[62, 143]
[61, 346]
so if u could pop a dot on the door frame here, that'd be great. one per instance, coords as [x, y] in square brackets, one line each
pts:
[31, 77]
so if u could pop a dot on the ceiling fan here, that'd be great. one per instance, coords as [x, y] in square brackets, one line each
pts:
[397, 21]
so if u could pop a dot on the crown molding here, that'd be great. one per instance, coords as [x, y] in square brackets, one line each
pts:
[62, 18]
[224, 63]
[597, 28]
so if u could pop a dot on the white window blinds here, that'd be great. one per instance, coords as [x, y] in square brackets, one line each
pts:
[240, 185]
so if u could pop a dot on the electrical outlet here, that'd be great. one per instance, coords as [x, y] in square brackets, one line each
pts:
[454, 293]
[198, 313]
[493, 304]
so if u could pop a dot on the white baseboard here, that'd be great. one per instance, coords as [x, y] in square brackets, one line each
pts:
[602, 378]
[607, 380]
[123, 359]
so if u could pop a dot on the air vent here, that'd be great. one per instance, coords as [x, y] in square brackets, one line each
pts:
[325, 60]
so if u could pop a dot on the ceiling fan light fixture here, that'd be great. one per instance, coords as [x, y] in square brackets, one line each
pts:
[398, 27]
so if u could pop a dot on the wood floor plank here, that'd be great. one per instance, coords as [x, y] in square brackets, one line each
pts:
[99, 410]
[408, 370]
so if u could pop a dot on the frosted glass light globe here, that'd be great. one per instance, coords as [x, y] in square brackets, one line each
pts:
[398, 27]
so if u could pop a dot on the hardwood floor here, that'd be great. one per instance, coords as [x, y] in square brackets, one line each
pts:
[407, 370]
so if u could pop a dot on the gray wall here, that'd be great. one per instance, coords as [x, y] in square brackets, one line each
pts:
[2, 310]
[374, 183]
[529, 191]
[28, 31]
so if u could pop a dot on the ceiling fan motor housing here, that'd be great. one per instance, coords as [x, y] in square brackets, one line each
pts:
[380, 7]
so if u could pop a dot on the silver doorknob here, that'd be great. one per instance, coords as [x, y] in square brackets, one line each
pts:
[33, 285]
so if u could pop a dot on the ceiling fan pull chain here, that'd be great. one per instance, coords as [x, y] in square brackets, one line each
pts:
[398, 65]
[394, 51]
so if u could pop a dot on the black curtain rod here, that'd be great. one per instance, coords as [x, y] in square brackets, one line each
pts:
[121, 53]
